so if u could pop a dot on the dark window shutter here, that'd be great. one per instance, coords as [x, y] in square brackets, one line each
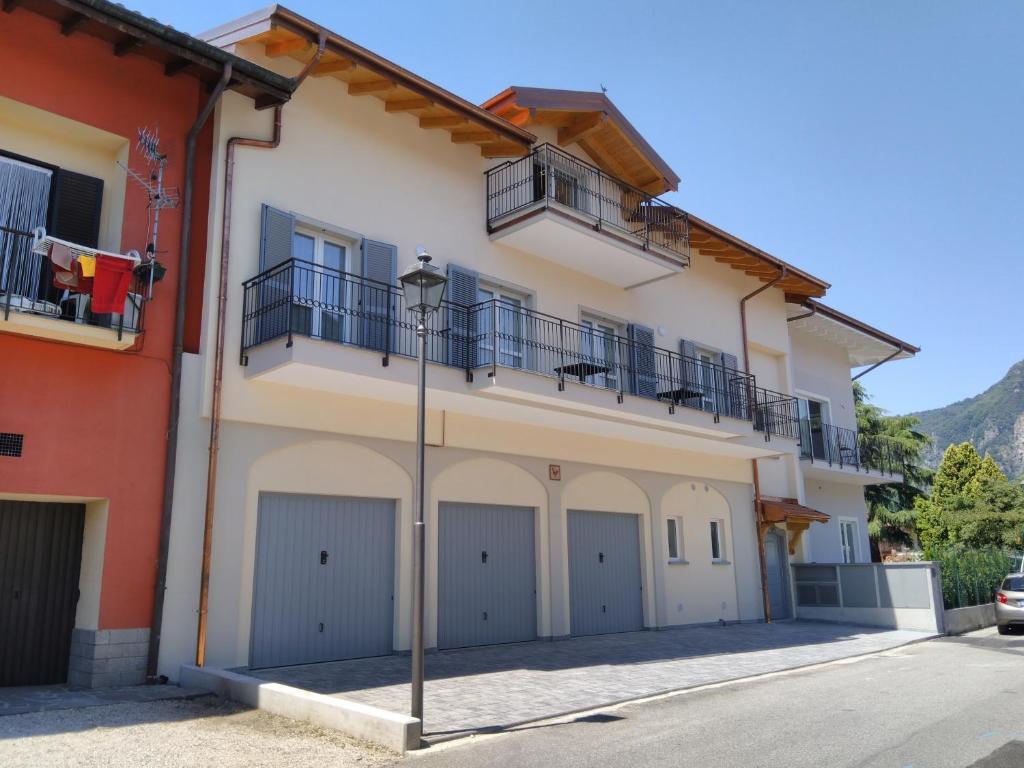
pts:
[75, 213]
[275, 297]
[380, 268]
[733, 394]
[642, 361]
[463, 293]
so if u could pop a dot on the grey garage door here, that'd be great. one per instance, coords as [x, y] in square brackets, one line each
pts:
[486, 575]
[604, 573]
[324, 579]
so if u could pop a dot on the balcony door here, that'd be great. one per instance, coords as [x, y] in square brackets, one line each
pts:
[599, 349]
[813, 418]
[322, 290]
[501, 326]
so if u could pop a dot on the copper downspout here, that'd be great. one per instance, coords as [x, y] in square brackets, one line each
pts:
[218, 361]
[758, 521]
[177, 350]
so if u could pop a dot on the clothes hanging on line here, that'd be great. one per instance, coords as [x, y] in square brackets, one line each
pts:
[110, 284]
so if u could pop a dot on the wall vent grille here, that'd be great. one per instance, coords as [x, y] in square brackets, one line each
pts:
[11, 444]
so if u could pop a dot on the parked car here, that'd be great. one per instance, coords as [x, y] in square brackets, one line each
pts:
[1010, 603]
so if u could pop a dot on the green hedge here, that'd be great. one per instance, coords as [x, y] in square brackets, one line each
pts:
[971, 576]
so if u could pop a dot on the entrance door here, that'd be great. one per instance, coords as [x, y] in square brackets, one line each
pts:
[324, 581]
[778, 584]
[40, 559]
[486, 579]
[605, 586]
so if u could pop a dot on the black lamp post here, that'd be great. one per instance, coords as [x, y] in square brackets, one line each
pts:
[423, 285]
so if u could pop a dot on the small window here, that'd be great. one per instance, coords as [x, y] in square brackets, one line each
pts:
[675, 538]
[848, 540]
[717, 544]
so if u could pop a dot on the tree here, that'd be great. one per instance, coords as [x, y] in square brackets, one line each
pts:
[960, 463]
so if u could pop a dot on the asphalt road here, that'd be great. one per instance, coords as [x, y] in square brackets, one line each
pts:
[952, 702]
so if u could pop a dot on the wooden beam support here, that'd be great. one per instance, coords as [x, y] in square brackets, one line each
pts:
[474, 137]
[442, 121]
[407, 105]
[175, 66]
[370, 87]
[9, 5]
[284, 47]
[580, 128]
[126, 45]
[503, 149]
[71, 23]
[333, 66]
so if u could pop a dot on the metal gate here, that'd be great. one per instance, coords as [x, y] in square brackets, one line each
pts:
[605, 586]
[486, 575]
[778, 583]
[324, 581]
[40, 560]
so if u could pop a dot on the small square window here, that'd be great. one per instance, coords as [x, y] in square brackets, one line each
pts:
[717, 543]
[675, 538]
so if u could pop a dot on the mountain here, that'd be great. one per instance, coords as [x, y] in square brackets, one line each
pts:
[993, 421]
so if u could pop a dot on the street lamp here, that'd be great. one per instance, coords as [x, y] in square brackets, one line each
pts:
[423, 287]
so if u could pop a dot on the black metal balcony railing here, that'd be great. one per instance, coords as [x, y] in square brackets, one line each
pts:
[306, 299]
[550, 176]
[845, 448]
[26, 286]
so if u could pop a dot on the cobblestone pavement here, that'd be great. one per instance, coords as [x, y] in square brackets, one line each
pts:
[47, 698]
[490, 688]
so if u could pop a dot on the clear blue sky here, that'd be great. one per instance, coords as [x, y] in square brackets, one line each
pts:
[877, 145]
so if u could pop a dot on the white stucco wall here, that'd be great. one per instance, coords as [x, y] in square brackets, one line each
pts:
[837, 500]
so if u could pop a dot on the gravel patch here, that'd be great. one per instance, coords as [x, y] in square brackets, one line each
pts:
[206, 731]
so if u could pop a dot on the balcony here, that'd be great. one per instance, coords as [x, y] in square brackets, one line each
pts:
[504, 362]
[842, 455]
[553, 205]
[31, 304]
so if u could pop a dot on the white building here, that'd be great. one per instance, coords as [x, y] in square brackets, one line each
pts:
[593, 427]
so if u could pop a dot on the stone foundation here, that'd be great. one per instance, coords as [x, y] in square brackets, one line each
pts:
[108, 657]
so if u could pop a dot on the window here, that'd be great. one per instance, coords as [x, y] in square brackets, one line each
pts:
[322, 290]
[599, 351]
[675, 539]
[501, 321]
[848, 540]
[717, 542]
[813, 418]
[707, 376]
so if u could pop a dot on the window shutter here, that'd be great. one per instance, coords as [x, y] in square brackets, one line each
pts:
[463, 292]
[275, 293]
[75, 213]
[642, 364]
[380, 264]
[733, 393]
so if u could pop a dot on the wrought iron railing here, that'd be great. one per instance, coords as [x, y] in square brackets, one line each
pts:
[300, 298]
[846, 448]
[549, 177]
[27, 287]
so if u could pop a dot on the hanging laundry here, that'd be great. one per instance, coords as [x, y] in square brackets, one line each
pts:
[61, 256]
[87, 265]
[110, 284]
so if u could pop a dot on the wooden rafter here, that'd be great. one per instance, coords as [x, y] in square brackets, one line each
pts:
[126, 45]
[442, 121]
[284, 47]
[581, 127]
[407, 105]
[9, 5]
[503, 149]
[71, 23]
[331, 67]
[474, 137]
[175, 66]
[369, 87]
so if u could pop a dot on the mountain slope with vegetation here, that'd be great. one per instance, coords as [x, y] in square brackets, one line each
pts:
[993, 422]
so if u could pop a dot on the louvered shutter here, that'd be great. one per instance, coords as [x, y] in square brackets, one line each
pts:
[275, 310]
[733, 390]
[75, 213]
[691, 374]
[463, 292]
[643, 374]
[378, 295]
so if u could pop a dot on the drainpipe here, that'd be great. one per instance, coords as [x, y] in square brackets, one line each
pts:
[170, 459]
[758, 522]
[880, 362]
[218, 360]
[813, 311]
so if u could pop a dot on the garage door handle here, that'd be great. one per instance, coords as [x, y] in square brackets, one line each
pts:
[485, 615]
[321, 626]
[483, 557]
[323, 557]
[600, 557]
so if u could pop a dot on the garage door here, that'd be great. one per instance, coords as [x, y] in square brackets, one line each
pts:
[40, 560]
[486, 575]
[604, 573]
[324, 579]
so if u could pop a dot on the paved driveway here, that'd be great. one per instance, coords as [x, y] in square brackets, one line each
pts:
[495, 687]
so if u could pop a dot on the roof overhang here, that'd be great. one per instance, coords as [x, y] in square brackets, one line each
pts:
[592, 121]
[728, 249]
[284, 33]
[130, 33]
[866, 345]
[775, 509]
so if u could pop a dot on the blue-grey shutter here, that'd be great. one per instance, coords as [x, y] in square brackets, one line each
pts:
[642, 363]
[378, 295]
[277, 229]
[733, 393]
[463, 292]
[690, 374]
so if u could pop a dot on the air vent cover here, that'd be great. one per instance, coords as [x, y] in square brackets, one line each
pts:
[11, 443]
